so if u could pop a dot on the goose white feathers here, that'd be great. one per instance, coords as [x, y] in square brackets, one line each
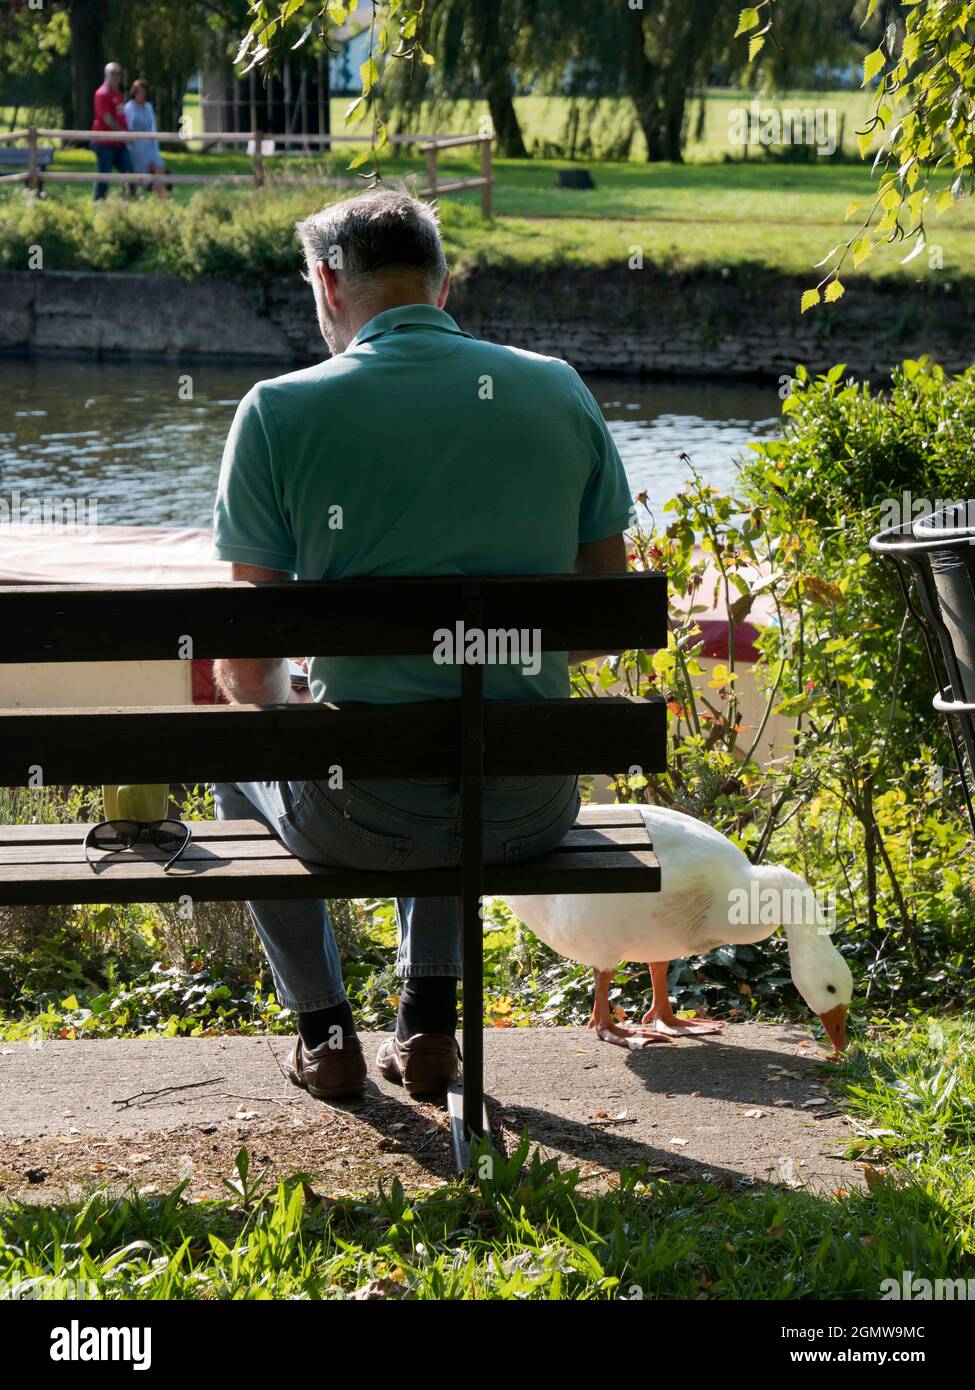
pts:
[711, 894]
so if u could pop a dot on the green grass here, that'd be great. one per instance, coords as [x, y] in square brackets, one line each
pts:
[915, 1091]
[708, 213]
[525, 1230]
[683, 217]
[543, 118]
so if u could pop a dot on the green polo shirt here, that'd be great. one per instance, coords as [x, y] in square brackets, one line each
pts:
[420, 450]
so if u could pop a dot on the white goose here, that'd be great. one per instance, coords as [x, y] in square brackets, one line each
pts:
[711, 894]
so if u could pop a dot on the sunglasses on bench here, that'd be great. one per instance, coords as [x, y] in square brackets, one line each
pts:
[171, 836]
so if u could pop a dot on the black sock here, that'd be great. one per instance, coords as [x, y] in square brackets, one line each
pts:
[427, 1004]
[316, 1028]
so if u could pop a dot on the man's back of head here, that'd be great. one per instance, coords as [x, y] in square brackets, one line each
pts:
[370, 253]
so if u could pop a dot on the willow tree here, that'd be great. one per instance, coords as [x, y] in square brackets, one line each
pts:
[665, 59]
[660, 54]
[482, 53]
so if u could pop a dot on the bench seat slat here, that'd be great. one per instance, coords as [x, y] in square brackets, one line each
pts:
[204, 850]
[203, 830]
[626, 871]
[590, 817]
[221, 881]
[596, 815]
[197, 852]
[620, 871]
[228, 860]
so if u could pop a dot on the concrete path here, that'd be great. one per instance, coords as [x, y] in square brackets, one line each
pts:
[750, 1105]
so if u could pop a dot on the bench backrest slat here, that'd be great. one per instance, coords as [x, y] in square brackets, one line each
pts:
[16, 157]
[243, 743]
[375, 617]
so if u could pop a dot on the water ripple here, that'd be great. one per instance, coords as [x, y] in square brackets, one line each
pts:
[120, 431]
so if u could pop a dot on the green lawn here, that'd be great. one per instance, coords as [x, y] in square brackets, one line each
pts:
[783, 217]
[712, 210]
[532, 1232]
[543, 118]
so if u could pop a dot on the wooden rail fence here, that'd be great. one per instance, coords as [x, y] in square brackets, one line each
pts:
[35, 177]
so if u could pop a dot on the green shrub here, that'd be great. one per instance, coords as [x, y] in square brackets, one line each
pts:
[61, 231]
[229, 233]
[849, 448]
[864, 800]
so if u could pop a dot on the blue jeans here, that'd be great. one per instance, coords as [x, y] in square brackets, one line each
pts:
[109, 157]
[388, 824]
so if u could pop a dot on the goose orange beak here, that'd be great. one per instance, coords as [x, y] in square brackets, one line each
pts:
[834, 1021]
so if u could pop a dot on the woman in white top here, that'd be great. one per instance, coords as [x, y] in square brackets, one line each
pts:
[146, 156]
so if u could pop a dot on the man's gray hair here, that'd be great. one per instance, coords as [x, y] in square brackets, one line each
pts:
[375, 233]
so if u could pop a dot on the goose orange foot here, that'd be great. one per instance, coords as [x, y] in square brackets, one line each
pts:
[661, 1016]
[608, 1029]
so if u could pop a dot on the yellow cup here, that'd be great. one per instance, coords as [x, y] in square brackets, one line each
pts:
[135, 801]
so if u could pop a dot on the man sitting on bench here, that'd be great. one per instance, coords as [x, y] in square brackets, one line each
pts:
[415, 449]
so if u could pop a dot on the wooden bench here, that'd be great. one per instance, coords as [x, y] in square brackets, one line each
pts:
[13, 157]
[468, 738]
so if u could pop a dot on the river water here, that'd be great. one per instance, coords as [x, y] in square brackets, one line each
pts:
[144, 438]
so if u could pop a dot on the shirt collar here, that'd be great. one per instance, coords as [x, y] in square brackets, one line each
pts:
[406, 316]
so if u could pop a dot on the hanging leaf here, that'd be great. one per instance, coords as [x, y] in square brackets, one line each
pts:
[369, 72]
[944, 200]
[356, 110]
[861, 250]
[872, 64]
[747, 19]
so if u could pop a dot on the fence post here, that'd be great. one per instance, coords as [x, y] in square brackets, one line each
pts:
[258, 161]
[486, 174]
[33, 182]
[432, 170]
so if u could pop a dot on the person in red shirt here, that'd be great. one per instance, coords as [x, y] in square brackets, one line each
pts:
[110, 115]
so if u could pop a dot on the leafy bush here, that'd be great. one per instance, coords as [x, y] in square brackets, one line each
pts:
[228, 233]
[862, 802]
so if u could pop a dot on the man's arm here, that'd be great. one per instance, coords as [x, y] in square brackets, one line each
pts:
[261, 680]
[607, 556]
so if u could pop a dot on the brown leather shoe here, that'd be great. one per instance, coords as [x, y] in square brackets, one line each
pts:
[425, 1064]
[329, 1072]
